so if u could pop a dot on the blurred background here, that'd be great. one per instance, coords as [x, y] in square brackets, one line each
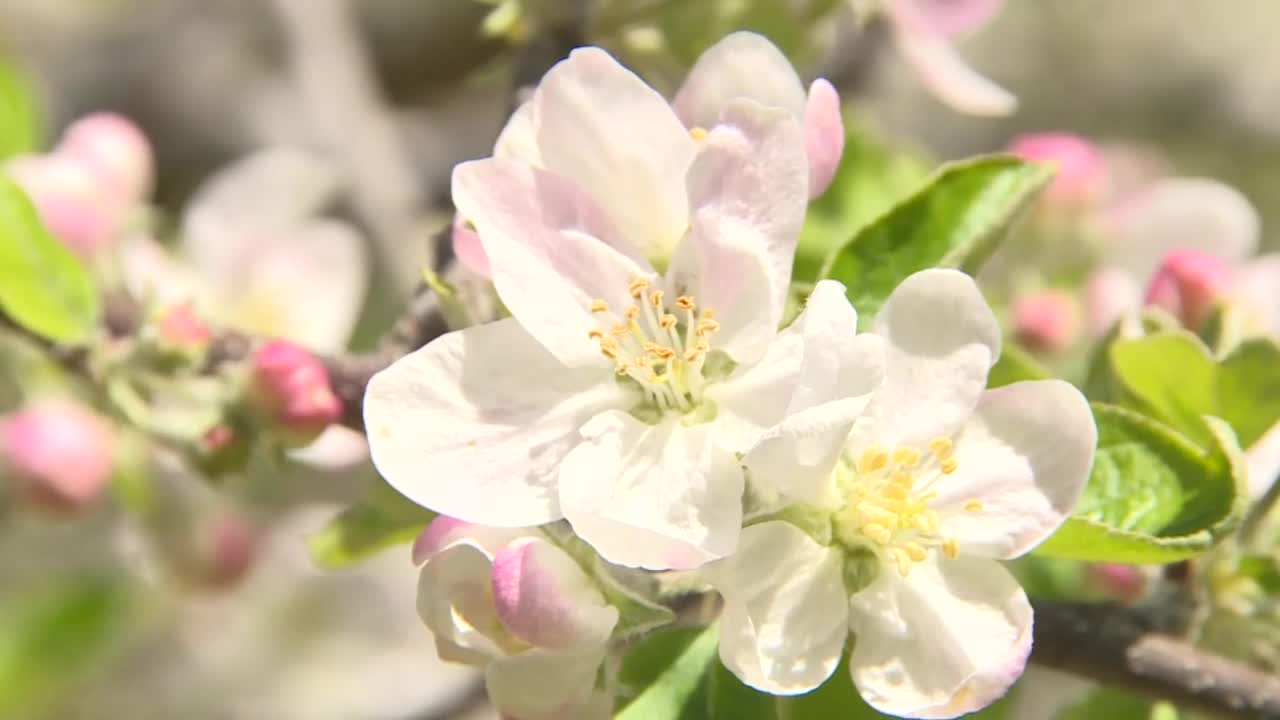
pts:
[222, 612]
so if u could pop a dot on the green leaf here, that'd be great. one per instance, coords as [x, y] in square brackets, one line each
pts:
[43, 286]
[663, 675]
[871, 179]
[1113, 704]
[956, 220]
[52, 638]
[384, 519]
[1153, 496]
[19, 112]
[1015, 365]
[1249, 388]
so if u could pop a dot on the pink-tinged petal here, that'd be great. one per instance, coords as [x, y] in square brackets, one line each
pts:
[785, 620]
[468, 248]
[551, 251]
[1082, 177]
[1046, 321]
[1109, 295]
[941, 69]
[454, 602]
[947, 639]
[544, 598]
[1024, 458]
[70, 204]
[748, 191]
[954, 18]
[57, 454]
[116, 153]
[941, 340]
[543, 684]
[823, 135]
[1258, 290]
[659, 496]
[603, 128]
[1189, 284]
[742, 65]
[475, 424]
[1180, 214]
[445, 531]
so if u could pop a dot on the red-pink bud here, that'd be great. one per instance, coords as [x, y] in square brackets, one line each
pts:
[57, 454]
[1126, 583]
[1046, 321]
[1188, 284]
[115, 152]
[291, 388]
[180, 328]
[231, 547]
[823, 135]
[1082, 177]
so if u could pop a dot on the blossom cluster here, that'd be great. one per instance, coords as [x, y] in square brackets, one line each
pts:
[846, 492]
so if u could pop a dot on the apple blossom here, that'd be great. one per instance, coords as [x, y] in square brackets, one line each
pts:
[511, 602]
[290, 388]
[1188, 284]
[923, 31]
[742, 66]
[616, 395]
[907, 504]
[57, 455]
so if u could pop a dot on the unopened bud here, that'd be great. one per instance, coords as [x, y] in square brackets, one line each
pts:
[67, 199]
[230, 547]
[115, 152]
[823, 135]
[1188, 284]
[1082, 178]
[290, 387]
[543, 597]
[1127, 583]
[57, 455]
[1046, 321]
[180, 329]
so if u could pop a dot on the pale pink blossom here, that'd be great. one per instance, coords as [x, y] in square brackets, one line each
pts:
[56, 455]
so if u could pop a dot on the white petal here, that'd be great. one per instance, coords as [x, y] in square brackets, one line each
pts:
[941, 69]
[273, 292]
[602, 127]
[546, 685]
[1025, 456]
[519, 139]
[544, 598]
[475, 424]
[749, 188]
[653, 496]
[824, 135]
[1263, 459]
[549, 249]
[742, 65]
[786, 610]
[948, 639]
[454, 602]
[1258, 287]
[942, 339]
[154, 276]
[337, 447]
[1181, 213]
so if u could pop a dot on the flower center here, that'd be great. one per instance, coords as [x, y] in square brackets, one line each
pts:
[887, 504]
[663, 349]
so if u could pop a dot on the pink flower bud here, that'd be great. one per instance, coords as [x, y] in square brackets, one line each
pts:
[231, 546]
[115, 152]
[291, 389]
[179, 328]
[1188, 284]
[57, 454]
[543, 597]
[67, 199]
[823, 135]
[1082, 177]
[1046, 321]
[1126, 583]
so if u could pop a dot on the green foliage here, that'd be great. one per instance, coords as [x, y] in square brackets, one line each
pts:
[19, 113]
[664, 675]
[689, 28]
[1117, 705]
[871, 179]
[43, 286]
[1153, 496]
[956, 220]
[1015, 365]
[52, 638]
[384, 519]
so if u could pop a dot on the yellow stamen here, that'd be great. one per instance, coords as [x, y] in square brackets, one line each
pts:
[595, 334]
[637, 287]
[667, 321]
[941, 447]
[973, 506]
[949, 466]
[632, 312]
[685, 302]
[915, 551]
[609, 348]
[903, 560]
[906, 457]
[879, 533]
[599, 306]
[655, 298]
[951, 548]
[698, 133]
[873, 459]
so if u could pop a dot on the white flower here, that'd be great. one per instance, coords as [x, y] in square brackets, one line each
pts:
[509, 601]
[573, 102]
[913, 500]
[615, 396]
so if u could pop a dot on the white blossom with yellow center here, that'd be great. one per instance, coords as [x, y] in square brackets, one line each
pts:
[646, 274]
[895, 511]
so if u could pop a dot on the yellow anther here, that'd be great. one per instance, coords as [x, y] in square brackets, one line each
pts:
[903, 478]
[903, 560]
[925, 521]
[707, 326]
[655, 298]
[622, 368]
[667, 321]
[879, 533]
[632, 312]
[685, 302]
[915, 551]
[708, 314]
[609, 348]
[873, 460]
[973, 506]
[876, 514]
[941, 447]
[907, 457]
[949, 466]
[895, 492]
[595, 334]
[637, 287]
[951, 548]
[619, 331]
[599, 306]
[698, 133]
[651, 347]
[664, 352]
